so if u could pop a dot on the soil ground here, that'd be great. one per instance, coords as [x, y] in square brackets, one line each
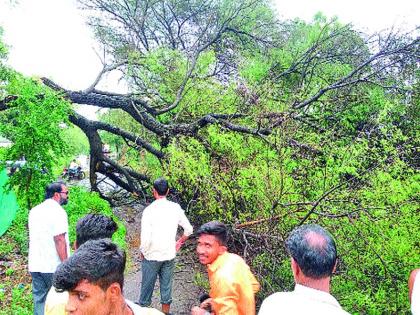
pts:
[185, 291]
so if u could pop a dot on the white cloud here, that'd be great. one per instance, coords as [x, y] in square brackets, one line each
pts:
[370, 15]
[49, 38]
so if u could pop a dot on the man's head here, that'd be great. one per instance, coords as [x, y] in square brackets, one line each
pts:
[160, 187]
[57, 191]
[94, 227]
[212, 239]
[313, 250]
[94, 277]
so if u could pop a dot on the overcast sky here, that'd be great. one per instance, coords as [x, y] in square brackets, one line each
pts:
[50, 38]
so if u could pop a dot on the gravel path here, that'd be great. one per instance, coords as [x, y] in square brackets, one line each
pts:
[185, 292]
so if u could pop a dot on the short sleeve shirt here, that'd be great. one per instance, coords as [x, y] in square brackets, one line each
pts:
[138, 310]
[159, 224]
[232, 286]
[46, 220]
[303, 300]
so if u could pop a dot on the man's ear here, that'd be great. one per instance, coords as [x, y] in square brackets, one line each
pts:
[114, 291]
[222, 249]
[56, 196]
[335, 266]
[295, 268]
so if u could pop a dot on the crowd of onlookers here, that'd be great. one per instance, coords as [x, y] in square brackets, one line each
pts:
[91, 280]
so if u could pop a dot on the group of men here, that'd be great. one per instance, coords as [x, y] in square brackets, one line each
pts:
[88, 282]
[94, 275]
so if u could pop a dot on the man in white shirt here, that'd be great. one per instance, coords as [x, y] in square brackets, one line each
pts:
[48, 241]
[73, 165]
[158, 246]
[313, 260]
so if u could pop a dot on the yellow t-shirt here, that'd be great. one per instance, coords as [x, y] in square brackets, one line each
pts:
[232, 286]
[55, 304]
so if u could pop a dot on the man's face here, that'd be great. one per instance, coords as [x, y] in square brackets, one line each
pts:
[209, 248]
[88, 299]
[64, 195]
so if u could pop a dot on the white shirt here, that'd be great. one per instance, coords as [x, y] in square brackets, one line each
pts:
[159, 225]
[415, 296]
[138, 310]
[303, 300]
[46, 220]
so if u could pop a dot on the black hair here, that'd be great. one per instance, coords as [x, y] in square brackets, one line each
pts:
[216, 228]
[313, 249]
[161, 186]
[53, 188]
[100, 262]
[93, 227]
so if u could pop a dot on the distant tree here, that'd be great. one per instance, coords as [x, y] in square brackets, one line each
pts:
[75, 140]
[32, 122]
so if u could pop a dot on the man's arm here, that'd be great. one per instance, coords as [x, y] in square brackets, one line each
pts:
[236, 294]
[226, 305]
[254, 283]
[187, 227]
[60, 246]
[196, 310]
[225, 296]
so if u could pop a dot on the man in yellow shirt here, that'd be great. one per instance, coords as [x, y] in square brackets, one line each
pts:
[232, 285]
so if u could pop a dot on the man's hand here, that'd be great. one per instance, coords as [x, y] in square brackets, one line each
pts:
[180, 242]
[141, 256]
[178, 245]
[198, 311]
[206, 304]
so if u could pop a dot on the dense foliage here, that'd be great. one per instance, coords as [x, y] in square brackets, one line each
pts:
[345, 159]
[32, 123]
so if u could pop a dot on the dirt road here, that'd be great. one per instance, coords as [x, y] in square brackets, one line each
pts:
[185, 292]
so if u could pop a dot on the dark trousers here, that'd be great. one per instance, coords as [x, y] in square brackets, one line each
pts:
[41, 284]
[150, 269]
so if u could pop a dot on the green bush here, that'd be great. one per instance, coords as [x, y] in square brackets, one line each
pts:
[81, 202]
